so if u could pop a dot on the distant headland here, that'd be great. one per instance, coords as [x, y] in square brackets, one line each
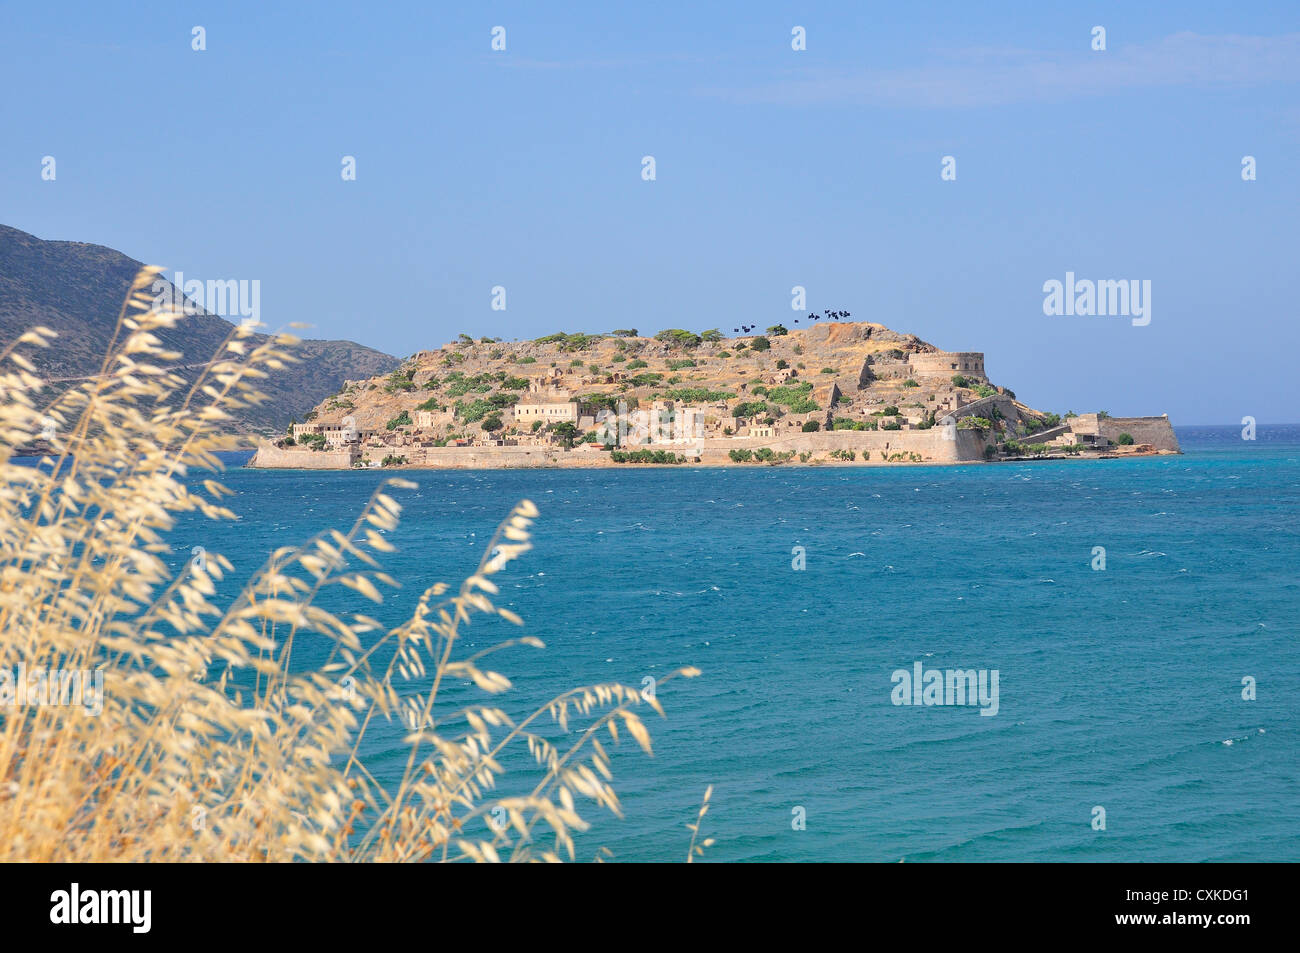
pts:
[840, 392]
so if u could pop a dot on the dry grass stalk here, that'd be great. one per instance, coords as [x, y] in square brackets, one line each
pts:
[211, 745]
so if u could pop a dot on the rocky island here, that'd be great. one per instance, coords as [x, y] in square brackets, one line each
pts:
[839, 392]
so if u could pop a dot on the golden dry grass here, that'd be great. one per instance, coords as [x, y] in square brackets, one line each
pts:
[211, 744]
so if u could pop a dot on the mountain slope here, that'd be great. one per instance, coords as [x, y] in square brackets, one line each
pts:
[77, 289]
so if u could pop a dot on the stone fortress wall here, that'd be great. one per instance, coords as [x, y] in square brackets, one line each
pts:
[1156, 431]
[946, 364]
[932, 446]
[277, 458]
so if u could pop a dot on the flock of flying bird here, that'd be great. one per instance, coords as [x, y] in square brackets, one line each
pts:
[828, 314]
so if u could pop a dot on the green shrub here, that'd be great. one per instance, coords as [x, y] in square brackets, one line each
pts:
[793, 396]
[697, 395]
[751, 408]
[811, 426]
[401, 420]
[1124, 440]
[400, 380]
[474, 410]
[570, 342]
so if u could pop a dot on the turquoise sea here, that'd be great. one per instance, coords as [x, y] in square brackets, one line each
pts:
[1118, 688]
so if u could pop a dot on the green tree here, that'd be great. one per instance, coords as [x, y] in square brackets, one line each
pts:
[566, 431]
[678, 337]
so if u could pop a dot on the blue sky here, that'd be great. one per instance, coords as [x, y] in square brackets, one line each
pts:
[775, 168]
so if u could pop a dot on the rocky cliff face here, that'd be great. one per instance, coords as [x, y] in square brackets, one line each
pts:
[77, 289]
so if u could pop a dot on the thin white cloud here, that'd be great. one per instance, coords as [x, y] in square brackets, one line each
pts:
[994, 77]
